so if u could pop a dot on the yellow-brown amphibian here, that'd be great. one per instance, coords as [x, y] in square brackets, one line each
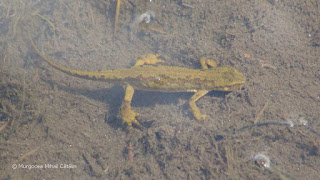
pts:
[144, 75]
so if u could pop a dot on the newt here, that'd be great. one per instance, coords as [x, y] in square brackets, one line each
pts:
[147, 75]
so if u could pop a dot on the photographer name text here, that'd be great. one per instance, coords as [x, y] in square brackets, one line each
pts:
[43, 166]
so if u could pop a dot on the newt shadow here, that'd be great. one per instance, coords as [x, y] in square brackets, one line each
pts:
[113, 97]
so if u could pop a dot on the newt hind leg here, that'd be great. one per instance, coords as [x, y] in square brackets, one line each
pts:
[127, 115]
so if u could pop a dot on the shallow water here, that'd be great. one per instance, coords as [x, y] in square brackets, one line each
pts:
[54, 126]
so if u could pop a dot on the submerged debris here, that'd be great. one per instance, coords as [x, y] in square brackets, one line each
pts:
[262, 160]
[145, 23]
[146, 17]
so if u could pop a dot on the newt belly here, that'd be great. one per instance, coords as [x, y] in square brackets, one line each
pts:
[146, 75]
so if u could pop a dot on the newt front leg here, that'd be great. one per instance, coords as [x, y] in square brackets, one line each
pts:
[194, 107]
[204, 62]
[127, 115]
[192, 102]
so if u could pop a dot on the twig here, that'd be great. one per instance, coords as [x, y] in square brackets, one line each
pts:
[187, 5]
[30, 153]
[268, 66]
[3, 126]
[130, 152]
[47, 20]
[230, 159]
[116, 17]
[8, 11]
[261, 112]
[23, 99]
[14, 27]
[91, 14]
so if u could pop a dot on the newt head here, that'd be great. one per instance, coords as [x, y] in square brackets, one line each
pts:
[229, 79]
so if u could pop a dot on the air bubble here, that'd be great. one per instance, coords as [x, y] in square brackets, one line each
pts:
[146, 17]
[262, 160]
[302, 121]
[290, 123]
